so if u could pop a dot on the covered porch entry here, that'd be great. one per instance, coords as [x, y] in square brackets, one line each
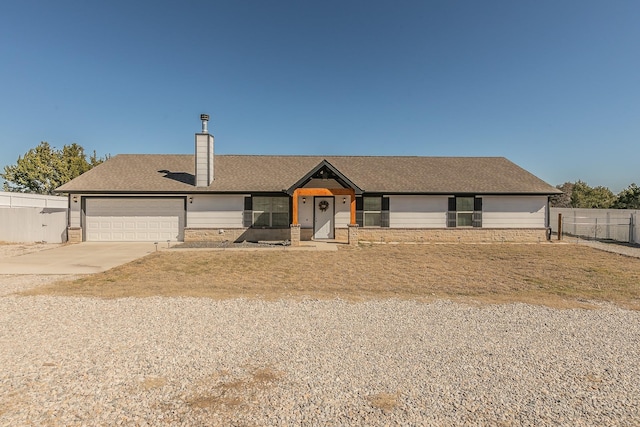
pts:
[324, 206]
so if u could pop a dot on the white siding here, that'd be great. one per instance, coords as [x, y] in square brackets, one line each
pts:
[305, 212]
[343, 211]
[215, 211]
[417, 211]
[75, 212]
[204, 160]
[513, 211]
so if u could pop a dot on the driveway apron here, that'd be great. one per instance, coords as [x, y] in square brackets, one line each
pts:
[80, 258]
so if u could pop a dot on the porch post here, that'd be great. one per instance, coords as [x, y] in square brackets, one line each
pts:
[353, 234]
[295, 235]
[294, 220]
[353, 207]
[353, 226]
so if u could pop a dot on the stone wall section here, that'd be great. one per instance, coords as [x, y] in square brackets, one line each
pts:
[341, 234]
[74, 234]
[451, 235]
[369, 235]
[236, 234]
[295, 235]
[353, 235]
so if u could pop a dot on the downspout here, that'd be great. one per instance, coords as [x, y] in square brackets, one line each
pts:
[547, 220]
[548, 212]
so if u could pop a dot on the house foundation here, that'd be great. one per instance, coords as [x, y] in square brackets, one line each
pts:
[452, 235]
[355, 235]
[237, 235]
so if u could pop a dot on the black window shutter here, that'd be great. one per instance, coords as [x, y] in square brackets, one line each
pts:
[477, 212]
[477, 204]
[451, 214]
[248, 212]
[359, 214]
[385, 203]
[477, 219]
[384, 214]
[452, 204]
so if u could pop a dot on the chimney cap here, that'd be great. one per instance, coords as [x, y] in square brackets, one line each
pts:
[205, 120]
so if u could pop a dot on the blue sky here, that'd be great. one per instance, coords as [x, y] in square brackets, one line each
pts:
[552, 85]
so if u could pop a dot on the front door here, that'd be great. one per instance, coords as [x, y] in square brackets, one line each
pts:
[323, 218]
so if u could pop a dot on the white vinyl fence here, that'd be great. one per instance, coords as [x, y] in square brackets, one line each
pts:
[620, 225]
[27, 218]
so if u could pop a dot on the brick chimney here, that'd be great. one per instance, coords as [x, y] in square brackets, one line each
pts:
[204, 155]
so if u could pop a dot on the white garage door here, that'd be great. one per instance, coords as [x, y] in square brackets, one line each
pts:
[134, 220]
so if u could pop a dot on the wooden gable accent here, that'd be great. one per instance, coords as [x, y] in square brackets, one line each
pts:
[323, 169]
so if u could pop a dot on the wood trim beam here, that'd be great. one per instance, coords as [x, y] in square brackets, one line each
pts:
[352, 219]
[324, 191]
[294, 220]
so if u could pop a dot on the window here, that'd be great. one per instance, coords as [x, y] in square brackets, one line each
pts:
[372, 211]
[464, 211]
[372, 206]
[269, 212]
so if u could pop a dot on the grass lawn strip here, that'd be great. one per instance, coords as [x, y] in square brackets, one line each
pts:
[556, 275]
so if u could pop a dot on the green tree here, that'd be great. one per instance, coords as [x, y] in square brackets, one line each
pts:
[584, 196]
[629, 198]
[562, 200]
[43, 169]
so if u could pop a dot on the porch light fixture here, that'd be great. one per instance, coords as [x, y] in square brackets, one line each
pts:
[304, 200]
[190, 199]
[344, 200]
[75, 199]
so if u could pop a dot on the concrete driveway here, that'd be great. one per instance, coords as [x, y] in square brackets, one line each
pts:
[80, 258]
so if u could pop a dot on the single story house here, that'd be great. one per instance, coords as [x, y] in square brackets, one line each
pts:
[149, 197]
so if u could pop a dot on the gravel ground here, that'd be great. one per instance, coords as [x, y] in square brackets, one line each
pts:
[618, 248]
[17, 249]
[181, 361]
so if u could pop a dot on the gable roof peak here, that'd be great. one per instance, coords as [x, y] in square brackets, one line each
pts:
[325, 170]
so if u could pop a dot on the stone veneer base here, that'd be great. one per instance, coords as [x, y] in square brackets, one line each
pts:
[74, 234]
[373, 235]
[451, 235]
[236, 234]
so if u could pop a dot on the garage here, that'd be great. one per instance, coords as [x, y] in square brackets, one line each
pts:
[134, 219]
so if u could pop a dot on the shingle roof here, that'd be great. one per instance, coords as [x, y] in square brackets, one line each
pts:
[162, 173]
